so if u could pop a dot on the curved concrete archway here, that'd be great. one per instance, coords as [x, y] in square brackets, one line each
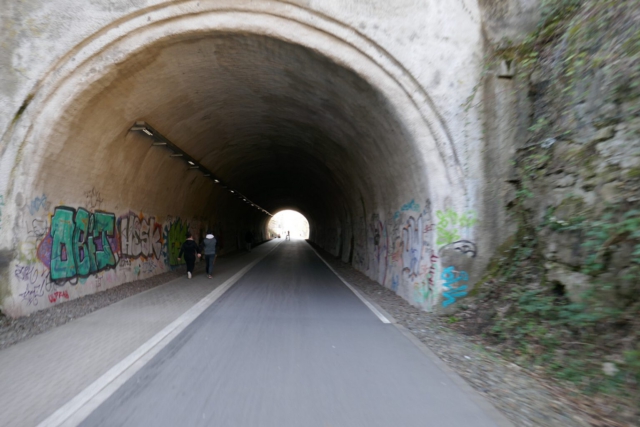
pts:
[290, 107]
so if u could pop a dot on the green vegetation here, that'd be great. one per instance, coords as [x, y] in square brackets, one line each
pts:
[580, 71]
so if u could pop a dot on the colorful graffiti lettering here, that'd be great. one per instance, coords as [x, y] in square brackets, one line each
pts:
[450, 276]
[140, 237]
[450, 223]
[412, 250]
[176, 235]
[58, 295]
[409, 249]
[81, 242]
[425, 291]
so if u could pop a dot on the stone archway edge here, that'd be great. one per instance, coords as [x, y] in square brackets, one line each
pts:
[268, 16]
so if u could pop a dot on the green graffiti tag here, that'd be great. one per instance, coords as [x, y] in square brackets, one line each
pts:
[84, 249]
[176, 236]
[62, 265]
[105, 225]
[80, 242]
[450, 223]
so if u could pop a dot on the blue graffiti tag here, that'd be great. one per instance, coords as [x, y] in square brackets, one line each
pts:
[411, 206]
[450, 294]
[36, 204]
[395, 283]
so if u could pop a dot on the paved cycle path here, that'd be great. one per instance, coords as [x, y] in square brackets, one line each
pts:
[290, 345]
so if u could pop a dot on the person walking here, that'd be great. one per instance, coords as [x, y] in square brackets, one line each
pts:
[248, 240]
[190, 249]
[209, 252]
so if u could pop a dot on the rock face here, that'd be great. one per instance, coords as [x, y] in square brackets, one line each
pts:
[575, 284]
[585, 186]
[592, 186]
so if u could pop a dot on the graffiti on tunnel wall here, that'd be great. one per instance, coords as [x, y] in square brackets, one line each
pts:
[450, 223]
[405, 251]
[140, 236]
[82, 243]
[176, 234]
[70, 246]
[450, 277]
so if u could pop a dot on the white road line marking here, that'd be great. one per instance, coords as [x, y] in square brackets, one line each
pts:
[81, 406]
[381, 316]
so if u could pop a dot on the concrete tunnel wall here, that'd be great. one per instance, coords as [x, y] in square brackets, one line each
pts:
[312, 108]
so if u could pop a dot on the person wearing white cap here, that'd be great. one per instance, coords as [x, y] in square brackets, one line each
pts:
[209, 252]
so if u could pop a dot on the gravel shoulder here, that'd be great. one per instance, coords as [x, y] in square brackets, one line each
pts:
[525, 397]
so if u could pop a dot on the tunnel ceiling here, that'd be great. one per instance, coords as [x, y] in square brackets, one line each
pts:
[279, 122]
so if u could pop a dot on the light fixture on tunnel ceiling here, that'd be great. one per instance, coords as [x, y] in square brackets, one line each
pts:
[160, 141]
[141, 126]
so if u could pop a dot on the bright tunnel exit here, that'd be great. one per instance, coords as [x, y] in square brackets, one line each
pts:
[291, 222]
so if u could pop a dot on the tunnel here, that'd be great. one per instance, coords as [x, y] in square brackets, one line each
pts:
[266, 112]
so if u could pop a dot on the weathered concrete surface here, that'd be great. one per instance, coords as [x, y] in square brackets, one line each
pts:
[351, 112]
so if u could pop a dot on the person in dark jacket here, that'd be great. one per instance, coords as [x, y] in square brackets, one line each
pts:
[209, 245]
[190, 249]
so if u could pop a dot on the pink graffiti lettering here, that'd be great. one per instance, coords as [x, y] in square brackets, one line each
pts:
[58, 295]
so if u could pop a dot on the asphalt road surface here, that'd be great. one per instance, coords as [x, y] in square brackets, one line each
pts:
[290, 345]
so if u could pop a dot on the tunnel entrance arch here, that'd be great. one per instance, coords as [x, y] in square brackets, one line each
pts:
[384, 172]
